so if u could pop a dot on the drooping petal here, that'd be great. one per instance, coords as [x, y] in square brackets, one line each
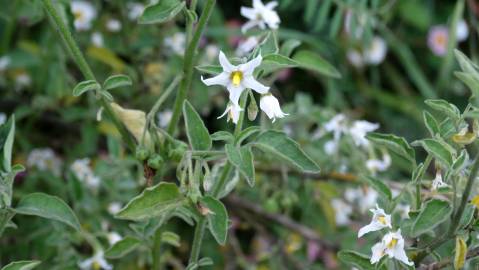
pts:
[257, 4]
[271, 5]
[249, 67]
[225, 63]
[377, 252]
[249, 13]
[248, 25]
[220, 79]
[400, 255]
[235, 93]
[371, 227]
[250, 82]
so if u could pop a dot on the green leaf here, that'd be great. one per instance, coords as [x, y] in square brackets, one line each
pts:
[21, 265]
[122, 247]
[312, 61]
[195, 129]
[432, 214]
[394, 143]
[152, 202]
[467, 216]
[441, 151]
[116, 81]
[273, 62]
[280, 145]
[355, 259]
[431, 123]
[85, 86]
[170, 238]
[223, 136]
[210, 69]
[246, 133]
[288, 47]
[46, 206]
[161, 12]
[217, 218]
[206, 261]
[7, 135]
[460, 162]
[242, 159]
[379, 186]
[445, 107]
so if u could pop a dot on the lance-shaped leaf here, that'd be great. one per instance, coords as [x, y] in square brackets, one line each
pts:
[161, 12]
[210, 69]
[46, 206]
[85, 86]
[21, 265]
[242, 159]
[123, 247]
[116, 81]
[273, 62]
[314, 62]
[440, 150]
[7, 134]
[195, 129]
[280, 145]
[217, 217]
[379, 186]
[445, 107]
[431, 124]
[432, 214]
[152, 202]
[394, 143]
[356, 259]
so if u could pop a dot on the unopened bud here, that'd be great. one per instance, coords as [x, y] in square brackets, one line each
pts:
[155, 161]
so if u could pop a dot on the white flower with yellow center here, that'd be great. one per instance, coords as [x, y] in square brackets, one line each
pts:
[84, 13]
[233, 111]
[270, 105]
[392, 245]
[437, 182]
[260, 15]
[379, 221]
[113, 238]
[97, 262]
[378, 165]
[97, 39]
[247, 46]
[83, 172]
[359, 130]
[342, 210]
[114, 208]
[113, 25]
[376, 51]
[237, 78]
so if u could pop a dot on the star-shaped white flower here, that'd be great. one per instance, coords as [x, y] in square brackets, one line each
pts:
[237, 78]
[270, 105]
[84, 13]
[233, 111]
[437, 182]
[392, 245]
[379, 221]
[378, 165]
[96, 262]
[260, 15]
[359, 130]
[342, 210]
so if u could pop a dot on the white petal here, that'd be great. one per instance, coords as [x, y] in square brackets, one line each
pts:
[220, 79]
[371, 227]
[235, 93]
[249, 13]
[249, 67]
[257, 4]
[377, 252]
[227, 66]
[250, 82]
[400, 255]
[248, 26]
[271, 5]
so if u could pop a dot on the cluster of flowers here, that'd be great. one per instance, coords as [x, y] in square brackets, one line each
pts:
[83, 172]
[392, 243]
[236, 78]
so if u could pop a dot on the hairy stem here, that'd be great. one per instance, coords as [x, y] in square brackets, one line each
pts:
[85, 69]
[188, 65]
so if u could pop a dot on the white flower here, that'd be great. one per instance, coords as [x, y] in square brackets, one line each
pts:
[379, 221]
[355, 58]
[437, 39]
[22, 80]
[331, 147]
[237, 78]
[260, 15]
[360, 21]
[84, 13]
[363, 197]
[135, 10]
[44, 159]
[96, 262]
[113, 25]
[113, 237]
[97, 39]
[377, 165]
[403, 210]
[462, 32]
[437, 182]
[246, 46]
[359, 130]
[342, 210]
[337, 125]
[233, 111]
[164, 118]
[83, 172]
[376, 51]
[392, 245]
[4, 62]
[3, 118]
[270, 105]
[211, 52]
[114, 208]
[176, 43]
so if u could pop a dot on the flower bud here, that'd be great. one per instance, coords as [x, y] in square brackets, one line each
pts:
[252, 110]
[177, 151]
[155, 161]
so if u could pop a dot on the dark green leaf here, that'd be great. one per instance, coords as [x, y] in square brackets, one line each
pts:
[211, 69]
[85, 86]
[312, 61]
[379, 186]
[7, 135]
[440, 150]
[21, 265]
[242, 159]
[431, 123]
[123, 247]
[432, 214]
[394, 143]
[217, 218]
[195, 129]
[116, 81]
[355, 259]
[161, 12]
[445, 107]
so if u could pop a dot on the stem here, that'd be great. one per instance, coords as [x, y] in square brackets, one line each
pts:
[455, 217]
[217, 187]
[188, 65]
[156, 251]
[418, 184]
[84, 67]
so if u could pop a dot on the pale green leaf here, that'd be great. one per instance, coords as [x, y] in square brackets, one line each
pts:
[195, 129]
[21, 265]
[123, 247]
[161, 12]
[433, 213]
[242, 159]
[116, 81]
[394, 143]
[314, 62]
[217, 217]
[85, 86]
